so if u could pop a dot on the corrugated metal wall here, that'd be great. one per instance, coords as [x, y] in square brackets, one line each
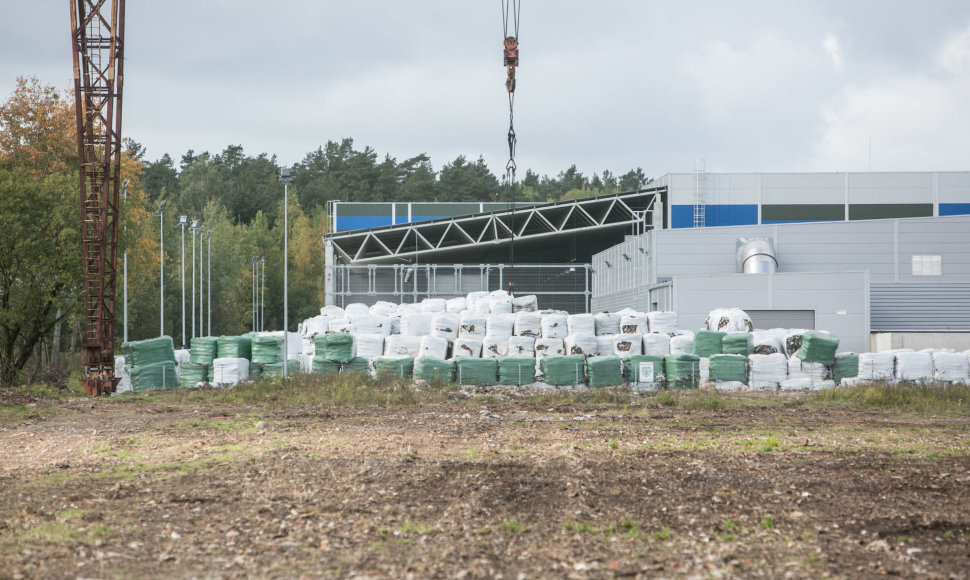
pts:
[916, 307]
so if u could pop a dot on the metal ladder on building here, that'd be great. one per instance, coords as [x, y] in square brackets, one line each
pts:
[700, 195]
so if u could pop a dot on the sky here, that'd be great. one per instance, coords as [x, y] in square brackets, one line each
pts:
[746, 85]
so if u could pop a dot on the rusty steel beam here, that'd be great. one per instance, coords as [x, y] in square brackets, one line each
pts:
[98, 48]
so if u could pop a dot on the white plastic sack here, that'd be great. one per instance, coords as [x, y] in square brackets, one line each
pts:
[606, 323]
[877, 366]
[383, 308]
[434, 305]
[581, 324]
[704, 368]
[580, 343]
[121, 371]
[728, 319]
[229, 371]
[793, 340]
[416, 323]
[332, 311]
[604, 343]
[951, 367]
[728, 385]
[445, 325]
[309, 347]
[501, 304]
[369, 346]
[626, 345]
[768, 341]
[816, 372]
[356, 309]
[316, 325]
[522, 346]
[495, 346]
[914, 366]
[395, 323]
[549, 347]
[663, 322]
[527, 323]
[341, 325]
[182, 356]
[634, 323]
[767, 371]
[473, 325]
[527, 303]
[470, 347]
[682, 344]
[500, 325]
[798, 384]
[306, 362]
[479, 303]
[402, 346]
[456, 305]
[656, 344]
[372, 324]
[555, 325]
[434, 347]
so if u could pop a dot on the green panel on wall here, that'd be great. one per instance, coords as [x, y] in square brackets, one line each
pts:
[802, 213]
[364, 209]
[877, 211]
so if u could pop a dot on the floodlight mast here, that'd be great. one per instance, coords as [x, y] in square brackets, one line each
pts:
[98, 33]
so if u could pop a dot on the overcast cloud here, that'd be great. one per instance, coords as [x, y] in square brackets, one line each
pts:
[746, 85]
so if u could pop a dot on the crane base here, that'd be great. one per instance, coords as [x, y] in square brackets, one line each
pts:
[94, 387]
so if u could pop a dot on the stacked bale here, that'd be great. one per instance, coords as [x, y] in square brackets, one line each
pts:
[151, 363]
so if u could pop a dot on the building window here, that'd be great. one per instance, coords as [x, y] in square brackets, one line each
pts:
[928, 265]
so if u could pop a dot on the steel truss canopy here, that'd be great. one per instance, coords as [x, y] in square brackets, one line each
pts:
[592, 221]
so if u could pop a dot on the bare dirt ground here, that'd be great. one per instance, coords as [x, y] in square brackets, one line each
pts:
[480, 488]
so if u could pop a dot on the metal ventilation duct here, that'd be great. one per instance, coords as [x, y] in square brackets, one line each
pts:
[756, 256]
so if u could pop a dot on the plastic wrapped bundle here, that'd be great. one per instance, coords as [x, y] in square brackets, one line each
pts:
[456, 305]
[445, 325]
[395, 323]
[951, 367]
[472, 325]
[729, 367]
[467, 347]
[324, 366]
[527, 323]
[737, 343]
[235, 347]
[356, 310]
[527, 303]
[799, 369]
[204, 349]
[656, 344]
[564, 370]
[728, 319]
[477, 302]
[581, 324]
[357, 365]
[434, 347]
[516, 370]
[267, 350]
[818, 347]
[227, 371]
[335, 346]
[796, 384]
[371, 324]
[682, 344]
[662, 322]
[401, 346]
[416, 323]
[495, 346]
[500, 303]
[606, 323]
[476, 371]
[877, 366]
[399, 368]
[549, 347]
[793, 341]
[644, 369]
[332, 311]
[306, 362]
[315, 325]
[150, 377]
[145, 352]
[604, 371]
[344, 325]
[434, 305]
[500, 324]
[369, 346]
[683, 370]
[555, 325]
[192, 374]
[729, 385]
[584, 344]
[276, 369]
[637, 323]
[123, 374]
[383, 308]
[707, 342]
[846, 366]
[766, 371]
[767, 341]
[434, 370]
[704, 369]
[522, 346]
[626, 345]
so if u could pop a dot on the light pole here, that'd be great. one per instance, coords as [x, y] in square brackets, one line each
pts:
[201, 301]
[262, 295]
[161, 268]
[208, 284]
[286, 177]
[183, 220]
[193, 229]
[124, 193]
[252, 265]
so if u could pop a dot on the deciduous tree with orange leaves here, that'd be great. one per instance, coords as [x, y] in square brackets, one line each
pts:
[38, 130]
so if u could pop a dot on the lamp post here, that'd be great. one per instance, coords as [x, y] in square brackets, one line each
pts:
[208, 284]
[262, 295]
[124, 194]
[161, 268]
[201, 301]
[286, 177]
[183, 220]
[252, 264]
[193, 229]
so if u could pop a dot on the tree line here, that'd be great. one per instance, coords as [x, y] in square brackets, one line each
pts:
[238, 200]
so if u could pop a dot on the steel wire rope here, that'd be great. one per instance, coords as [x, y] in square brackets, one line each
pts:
[511, 59]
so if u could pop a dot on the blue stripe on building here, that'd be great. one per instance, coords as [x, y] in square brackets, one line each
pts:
[682, 216]
[954, 208]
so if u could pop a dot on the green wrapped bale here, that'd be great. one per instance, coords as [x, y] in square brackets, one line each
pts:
[707, 342]
[276, 369]
[335, 346]
[400, 368]
[604, 371]
[139, 353]
[235, 347]
[203, 349]
[513, 370]
[476, 371]
[154, 376]
[683, 370]
[646, 366]
[356, 365]
[191, 374]
[846, 366]
[737, 343]
[267, 350]
[434, 370]
[729, 367]
[564, 370]
[818, 347]
[324, 366]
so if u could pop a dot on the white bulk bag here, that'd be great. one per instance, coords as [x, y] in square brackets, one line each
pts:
[124, 377]
[664, 322]
[816, 372]
[495, 346]
[356, 309]
[402, 346]
[416, 323]
[332, 311]
[522, 346]
[469, 347]
[581, 324]
[877, 366]
[606, 323]
[766, 371]
[309, 347]
[796, 384]
[604, 343]
[472, 325]
[554, 325]
[478, 305]
[433, 305]
[656, 344]
[728, 385]
[500, 304]
[584, 344]
[228, 371]
[456, 305]
[372, 324]
[728, 319]
[434, 347]
[527, 323]
[768, 341]
[369, 346]
[704, 370]
[527, 303]
[445, 325]
[951, 367]
[341, 325]
[549, 347]
[914, 366]
[383, 308]
[500, 325]
[634, 323]
[315, 325]
[682, 344]
[395, 323]
[626, 345]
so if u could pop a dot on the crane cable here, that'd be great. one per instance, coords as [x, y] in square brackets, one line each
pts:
[511, 59]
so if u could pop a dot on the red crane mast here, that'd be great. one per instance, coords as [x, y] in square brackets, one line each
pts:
[98, 46]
